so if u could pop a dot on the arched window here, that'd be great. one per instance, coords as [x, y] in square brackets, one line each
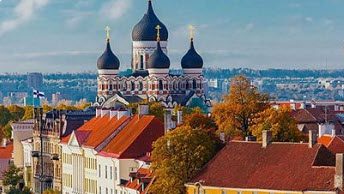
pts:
[141, 62]
[132, 85]
[187, 84]
[161, 86]
[194, 84]
[140, 86]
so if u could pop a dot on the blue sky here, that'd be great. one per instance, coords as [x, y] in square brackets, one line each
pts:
[68, 35]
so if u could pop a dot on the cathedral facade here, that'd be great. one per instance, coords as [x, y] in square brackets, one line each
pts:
[151, 78]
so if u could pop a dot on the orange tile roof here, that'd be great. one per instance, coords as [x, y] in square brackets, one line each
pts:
[6, 152]
[325, 140]
[334, 144]
[136, 139]
[95, 131]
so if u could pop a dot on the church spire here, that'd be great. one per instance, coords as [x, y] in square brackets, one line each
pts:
[191, 32]
[107, 30]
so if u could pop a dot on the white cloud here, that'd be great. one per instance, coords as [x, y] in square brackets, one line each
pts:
[249, 27]
[23, 12]
[114, 9]
[309, 19]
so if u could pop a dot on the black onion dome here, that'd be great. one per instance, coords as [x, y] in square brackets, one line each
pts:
[108, 60]
[158, 60]
[145, 29]
[192, 60]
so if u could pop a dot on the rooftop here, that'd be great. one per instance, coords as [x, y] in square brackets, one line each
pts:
[279, 166]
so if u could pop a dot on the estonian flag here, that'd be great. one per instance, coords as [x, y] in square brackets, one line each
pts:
[38, 94]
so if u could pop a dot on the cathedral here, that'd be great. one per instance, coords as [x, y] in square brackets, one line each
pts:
[151, 79]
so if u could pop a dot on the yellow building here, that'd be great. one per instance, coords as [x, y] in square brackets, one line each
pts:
[271, 168]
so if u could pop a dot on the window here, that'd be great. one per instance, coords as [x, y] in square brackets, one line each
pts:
[115, 173]
[106, 191]
[100, 190]
[100, 171]
[111, 172]
[161, 86]
[141, 62]
[105, 171]
[194, 84]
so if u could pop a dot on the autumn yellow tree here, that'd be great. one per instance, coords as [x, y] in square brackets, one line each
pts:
[16, 111]
[198, 120]
[235, 114]
[28, 112]
[178, 156]
[280, 122]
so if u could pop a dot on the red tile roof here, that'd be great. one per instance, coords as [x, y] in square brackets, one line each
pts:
[143, 177]
[280, 166]
[6, 152]
[334, 144]
[136, 139]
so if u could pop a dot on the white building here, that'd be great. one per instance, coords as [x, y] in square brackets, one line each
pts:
[99, 156]
[27, 158]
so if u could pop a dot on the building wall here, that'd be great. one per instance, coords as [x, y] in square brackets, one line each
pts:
[194, 190]
[20, 132]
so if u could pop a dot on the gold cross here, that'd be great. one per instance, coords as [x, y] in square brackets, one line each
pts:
[158, 28]
[107, 30]
[191, 31]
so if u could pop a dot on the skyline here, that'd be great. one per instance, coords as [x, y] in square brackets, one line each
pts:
[65, 36]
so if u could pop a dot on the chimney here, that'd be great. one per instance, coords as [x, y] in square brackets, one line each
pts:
[313, 104]
[143, 109]
[113, 113]
[104, 112]
[338, 177]
[223, 137]
[4, 142]
[303, 105]
[98, 111]
[312, 138]
[179, 117]
[168, 123]
[266, 138]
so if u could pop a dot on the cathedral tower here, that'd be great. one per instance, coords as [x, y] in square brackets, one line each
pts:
[108, 67]
[144, 39]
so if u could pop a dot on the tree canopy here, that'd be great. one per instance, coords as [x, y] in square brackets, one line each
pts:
[280, 123]
[178, 156]
[235, 114]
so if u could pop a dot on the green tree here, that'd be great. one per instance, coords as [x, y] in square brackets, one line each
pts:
[5, 116]
[12, 176]
[235, 114]
[17, 112]
[17, 191]
[280, 122]
[178, 156]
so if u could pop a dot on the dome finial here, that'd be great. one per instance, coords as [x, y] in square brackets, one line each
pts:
[107, 30]
[191, 32]
[158, 28]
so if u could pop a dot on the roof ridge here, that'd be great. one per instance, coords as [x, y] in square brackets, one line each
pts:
[144, 127]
